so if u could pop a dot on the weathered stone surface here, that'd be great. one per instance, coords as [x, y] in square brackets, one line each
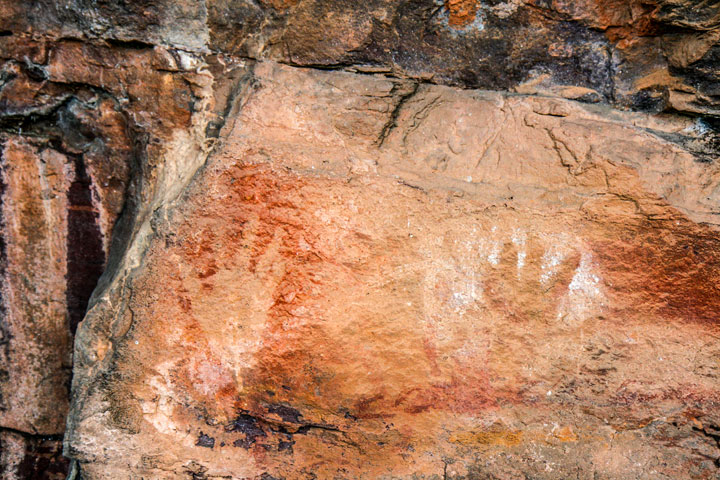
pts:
[372, 278]
[127, 99]
[74, 122]
[36, 338]
[31, 457]
[649, 55]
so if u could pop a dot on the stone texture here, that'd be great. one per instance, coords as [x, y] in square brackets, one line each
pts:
[31, 457]
[651, 55]
[657, 55]
[108, 111]
[36, 339]
[372, 278]
[71, 136]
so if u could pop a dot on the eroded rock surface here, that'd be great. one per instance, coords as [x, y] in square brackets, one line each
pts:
[371, 278]
[364, 273]
[32, 456]
[74, 123]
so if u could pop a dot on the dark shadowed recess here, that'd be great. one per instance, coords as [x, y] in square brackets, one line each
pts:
[5, 335]
[63, 128]
[42, 456]
[85, 256]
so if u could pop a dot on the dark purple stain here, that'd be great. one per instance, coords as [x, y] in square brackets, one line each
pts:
[205, 441]
[85, 256]
[248, 425]
[42, 459]
[287, 413]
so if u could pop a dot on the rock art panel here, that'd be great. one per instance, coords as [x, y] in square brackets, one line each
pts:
[108, 109]
[374, 278]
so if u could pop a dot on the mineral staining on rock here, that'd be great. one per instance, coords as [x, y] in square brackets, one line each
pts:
[28, 456]
[33, 288]
[71, 113]
[371, 278]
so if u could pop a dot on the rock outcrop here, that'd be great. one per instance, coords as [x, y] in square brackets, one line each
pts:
[371, 277]
[411, 239]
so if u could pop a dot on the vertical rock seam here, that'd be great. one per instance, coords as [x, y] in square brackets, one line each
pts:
[86, 259]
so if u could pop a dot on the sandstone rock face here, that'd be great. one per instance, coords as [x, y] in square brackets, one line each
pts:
[371, 278]
[70, 116]
[483, 247]
[34, 289]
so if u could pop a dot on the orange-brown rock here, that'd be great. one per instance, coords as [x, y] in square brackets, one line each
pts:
[70, 118]
[461, 13]
[111, 151]
[371, 278]
[36, 338]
